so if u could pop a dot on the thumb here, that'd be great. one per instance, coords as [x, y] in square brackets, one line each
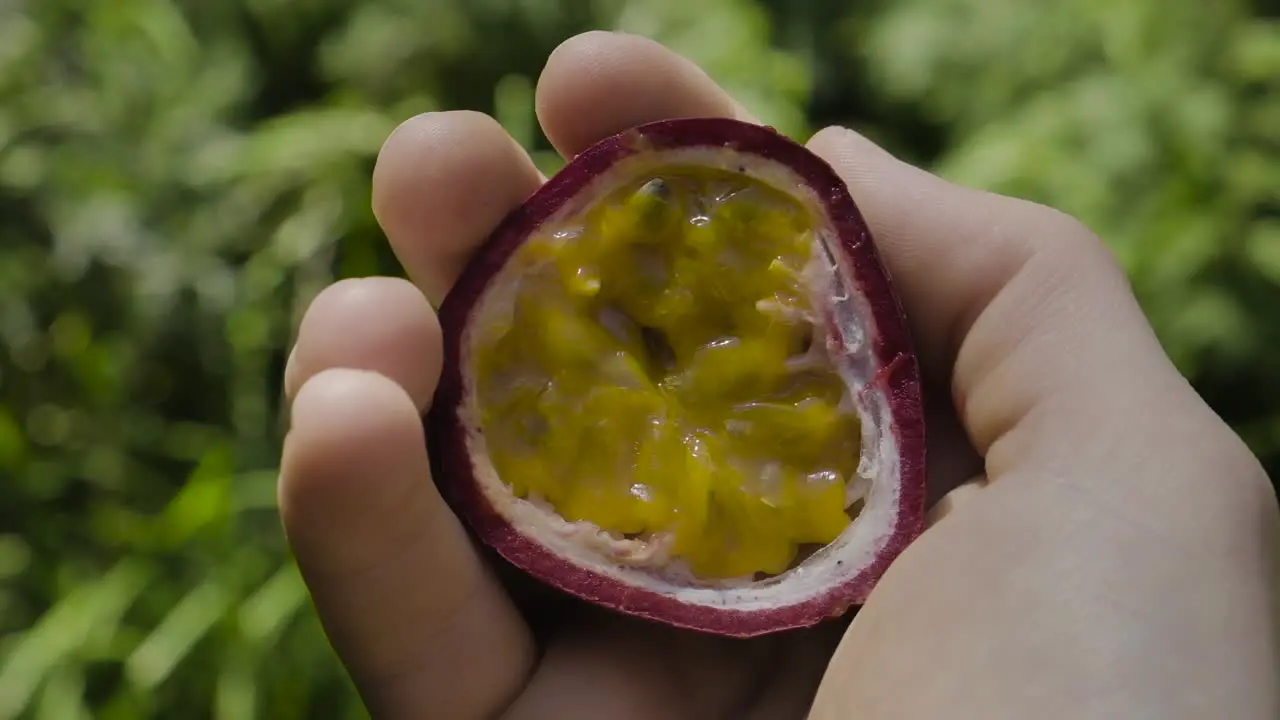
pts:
[1120, 559]
[1026, 314]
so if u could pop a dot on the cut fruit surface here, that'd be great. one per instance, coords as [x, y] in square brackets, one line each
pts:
[678, 383]
[661, 372]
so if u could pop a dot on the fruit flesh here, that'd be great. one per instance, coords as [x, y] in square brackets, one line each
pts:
[656, 372]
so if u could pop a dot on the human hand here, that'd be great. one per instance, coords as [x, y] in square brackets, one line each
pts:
[1114, 557]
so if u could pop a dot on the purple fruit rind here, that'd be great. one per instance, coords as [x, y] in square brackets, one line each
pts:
[891, 346]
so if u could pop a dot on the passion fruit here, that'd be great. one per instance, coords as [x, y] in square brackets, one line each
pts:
[678, 383]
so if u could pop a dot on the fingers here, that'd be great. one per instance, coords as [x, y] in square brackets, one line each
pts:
[624, 669]
[377, 324]
[402, 594]
[957, 498]
[791, 681]
[442, 183]
[1028, 305]
[950, 459]
[600, 83]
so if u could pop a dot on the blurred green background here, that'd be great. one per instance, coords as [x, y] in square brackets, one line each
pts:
[179, 177]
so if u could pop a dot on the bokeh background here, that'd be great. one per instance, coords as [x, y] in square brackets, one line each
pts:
[179, 177]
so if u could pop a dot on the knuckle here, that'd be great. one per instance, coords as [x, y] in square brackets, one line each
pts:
[1066, 241]
[1059, 227]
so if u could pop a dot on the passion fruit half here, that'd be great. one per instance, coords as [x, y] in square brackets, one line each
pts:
[678, 383]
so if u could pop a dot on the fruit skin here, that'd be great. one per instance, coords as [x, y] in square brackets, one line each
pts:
[898, 377]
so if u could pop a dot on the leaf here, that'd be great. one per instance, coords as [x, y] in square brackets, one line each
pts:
[298, 145]
[204, 499]
[13, 441]
[95, 607]
[63, 697]
[1263, 249]
[236, 693]
[513, 108]
[175, 637]
[1255, 50]
[265, 613]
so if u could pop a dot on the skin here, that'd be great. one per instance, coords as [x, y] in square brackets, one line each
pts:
[1113, 553]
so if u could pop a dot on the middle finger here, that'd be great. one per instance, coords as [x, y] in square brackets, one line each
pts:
[442, 183]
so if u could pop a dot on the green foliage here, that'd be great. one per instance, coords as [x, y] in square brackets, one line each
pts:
[179, 178]
[1156, 123]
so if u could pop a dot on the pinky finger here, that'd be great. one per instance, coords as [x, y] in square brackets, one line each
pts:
[421, 624]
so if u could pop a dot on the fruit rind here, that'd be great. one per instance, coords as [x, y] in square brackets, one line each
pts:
[895, 382]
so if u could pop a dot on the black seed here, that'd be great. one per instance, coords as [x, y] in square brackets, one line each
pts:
[661, 354]
[657, 188]
[805, 341]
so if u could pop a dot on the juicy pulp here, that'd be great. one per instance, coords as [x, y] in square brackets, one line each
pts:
[658, 368]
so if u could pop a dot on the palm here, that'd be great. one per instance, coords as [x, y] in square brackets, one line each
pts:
[598, 665]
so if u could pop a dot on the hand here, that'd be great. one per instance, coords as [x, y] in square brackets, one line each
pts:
[1114, 556]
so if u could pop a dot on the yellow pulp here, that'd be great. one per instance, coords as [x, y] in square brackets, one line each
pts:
[645, 378]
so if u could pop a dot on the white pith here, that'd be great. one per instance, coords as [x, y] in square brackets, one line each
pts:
[643, 564]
